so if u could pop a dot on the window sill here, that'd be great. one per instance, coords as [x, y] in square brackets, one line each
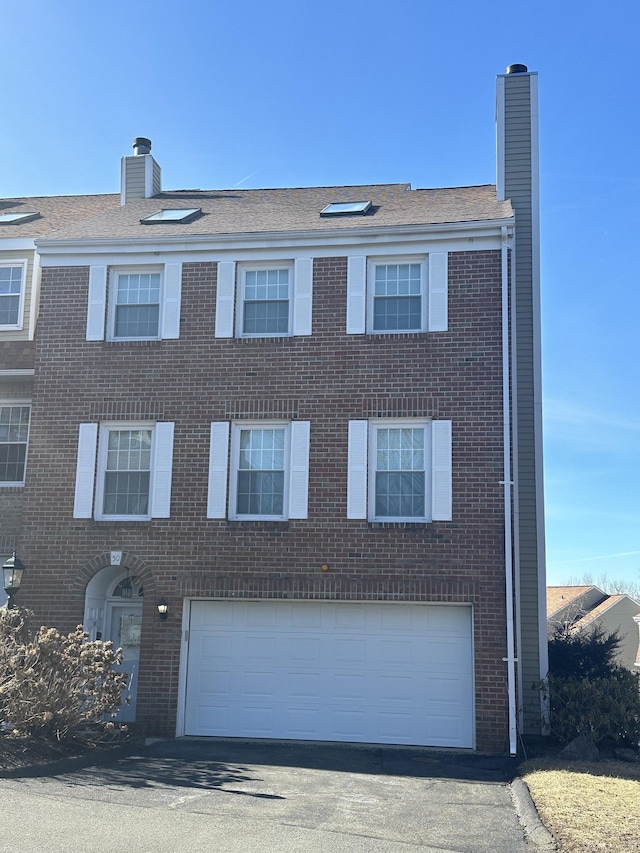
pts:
[256, 524]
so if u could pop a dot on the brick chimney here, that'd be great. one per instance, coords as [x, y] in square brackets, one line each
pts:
[140, 174]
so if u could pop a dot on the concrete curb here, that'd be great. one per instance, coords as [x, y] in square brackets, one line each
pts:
[534, 829]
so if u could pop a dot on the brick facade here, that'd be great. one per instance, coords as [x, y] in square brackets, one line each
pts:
[327, 378]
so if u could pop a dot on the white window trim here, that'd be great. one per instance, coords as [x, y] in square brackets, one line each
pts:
[13, 403]
[416, 423]
[243, 269]
[230, 301]
[114, 273]
[361, 295]
[374, 262]
[236, 428]
[91, 464]
[19, 324]
[362, 470]
[223, 469]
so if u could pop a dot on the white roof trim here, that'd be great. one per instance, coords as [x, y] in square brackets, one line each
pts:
[264, 239]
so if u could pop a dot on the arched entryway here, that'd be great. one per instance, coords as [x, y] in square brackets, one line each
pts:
[113, 611]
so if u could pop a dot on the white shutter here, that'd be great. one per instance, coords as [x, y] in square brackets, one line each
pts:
[97, 303]
[225, 297]
[162, 465]
[303, 296]
[356, 294]
[441, 497]
[299, 473]
[357, 470]
[438, 291]
[218, 469]
[85, 470]
[171, 301]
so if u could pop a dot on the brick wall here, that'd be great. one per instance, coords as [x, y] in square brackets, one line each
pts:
[327, 378]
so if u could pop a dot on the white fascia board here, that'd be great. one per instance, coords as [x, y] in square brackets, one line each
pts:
[485, 234]
[17, 245]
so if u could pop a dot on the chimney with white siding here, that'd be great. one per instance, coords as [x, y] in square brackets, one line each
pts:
[140, 174]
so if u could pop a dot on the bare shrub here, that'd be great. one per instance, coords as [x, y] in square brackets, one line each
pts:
[55, 684]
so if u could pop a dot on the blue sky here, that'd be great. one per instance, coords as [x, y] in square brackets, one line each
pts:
[286, 93]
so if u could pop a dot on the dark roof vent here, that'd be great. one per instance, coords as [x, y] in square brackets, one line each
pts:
[517, 69]
[141, 145]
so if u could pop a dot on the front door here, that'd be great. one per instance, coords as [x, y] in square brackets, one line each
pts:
[124, 622]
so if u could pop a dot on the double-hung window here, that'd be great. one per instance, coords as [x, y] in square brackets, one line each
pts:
[12, 277]
[399, 470]
[399, 487]
[259, 488]
[398, 297]
[137, 303]
[14, 440]
[397, 294]
[264, 299]
[124, 471]
[260, 468]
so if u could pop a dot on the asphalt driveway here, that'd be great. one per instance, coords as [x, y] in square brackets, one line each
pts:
[247, 796]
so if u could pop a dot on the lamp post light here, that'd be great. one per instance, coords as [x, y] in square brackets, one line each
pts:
[12, 572]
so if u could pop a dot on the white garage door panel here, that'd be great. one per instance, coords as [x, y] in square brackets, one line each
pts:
[365, 672]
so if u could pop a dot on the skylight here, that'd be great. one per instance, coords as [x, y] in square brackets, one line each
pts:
[174, 214]
[346, 208]
[15, 216]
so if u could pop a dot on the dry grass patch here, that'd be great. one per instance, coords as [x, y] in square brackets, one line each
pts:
[589, 807]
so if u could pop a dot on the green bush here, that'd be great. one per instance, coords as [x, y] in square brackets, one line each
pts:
[55, 684]
[604, 709]
[588, 693]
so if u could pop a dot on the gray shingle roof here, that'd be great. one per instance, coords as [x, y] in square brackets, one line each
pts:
[55, 212]
[252, 211]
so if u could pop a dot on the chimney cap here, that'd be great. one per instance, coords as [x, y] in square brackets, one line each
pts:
[141, 145]
[517, 69]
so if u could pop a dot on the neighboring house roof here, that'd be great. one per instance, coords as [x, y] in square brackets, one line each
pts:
[581, 608]
[559, 597]
[270, 210]
[600, 609]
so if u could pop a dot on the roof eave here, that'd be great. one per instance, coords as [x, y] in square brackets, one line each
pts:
[335, 237]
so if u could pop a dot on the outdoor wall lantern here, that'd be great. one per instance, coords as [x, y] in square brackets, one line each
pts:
[163, 609]
[12, 577]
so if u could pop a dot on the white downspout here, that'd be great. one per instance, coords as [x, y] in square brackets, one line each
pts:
[507, 484]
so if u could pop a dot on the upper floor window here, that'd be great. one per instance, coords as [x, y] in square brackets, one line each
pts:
[136, 305]
[399, 488]
[12, 278]
[269, 470]
[14, 440]
[125, 472]
[258, 457]
[397, 294]
[264, 299]
[130, 465]
[399, 470]
[143, 303]
[398, 297]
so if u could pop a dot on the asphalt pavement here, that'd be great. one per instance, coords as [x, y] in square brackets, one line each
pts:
[259, 796]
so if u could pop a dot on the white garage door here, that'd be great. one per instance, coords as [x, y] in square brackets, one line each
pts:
[310, 670]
